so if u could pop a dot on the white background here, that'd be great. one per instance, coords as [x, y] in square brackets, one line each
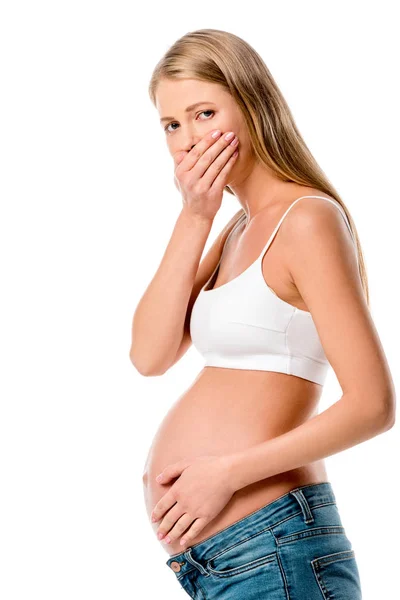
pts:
[88, 205]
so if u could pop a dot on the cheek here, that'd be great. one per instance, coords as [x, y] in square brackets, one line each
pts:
[172, 148]
[245, 149]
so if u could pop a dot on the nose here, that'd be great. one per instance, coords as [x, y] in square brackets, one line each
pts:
[190, 140]
[189, 146]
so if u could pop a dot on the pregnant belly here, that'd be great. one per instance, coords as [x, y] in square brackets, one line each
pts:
[226, 411]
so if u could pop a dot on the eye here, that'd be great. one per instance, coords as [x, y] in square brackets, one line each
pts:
[174, 123]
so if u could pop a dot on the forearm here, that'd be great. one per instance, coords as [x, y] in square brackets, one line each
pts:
[158, 322]
[341, 426]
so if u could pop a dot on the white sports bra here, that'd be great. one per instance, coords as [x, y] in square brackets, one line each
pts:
[243, 324]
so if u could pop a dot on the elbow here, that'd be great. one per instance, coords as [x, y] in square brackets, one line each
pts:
[390, 408]
[386, 415]
[145, 369]
[390, 420]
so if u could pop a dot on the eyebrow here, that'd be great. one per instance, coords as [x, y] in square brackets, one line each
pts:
[188, 109]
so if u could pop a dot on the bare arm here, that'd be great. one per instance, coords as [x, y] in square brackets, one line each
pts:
[160, 328]
[160, 319]
[322, 262]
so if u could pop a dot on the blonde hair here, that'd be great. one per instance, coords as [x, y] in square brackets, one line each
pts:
[221, 57]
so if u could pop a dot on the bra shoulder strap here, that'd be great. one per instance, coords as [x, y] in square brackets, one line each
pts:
[288, 209]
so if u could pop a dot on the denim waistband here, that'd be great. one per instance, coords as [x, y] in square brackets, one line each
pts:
[298, 499]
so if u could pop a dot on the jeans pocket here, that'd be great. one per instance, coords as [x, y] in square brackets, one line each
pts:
[229, 568]
[256, 551]
[337, 575]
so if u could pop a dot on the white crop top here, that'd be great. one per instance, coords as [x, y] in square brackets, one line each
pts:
[243, 324]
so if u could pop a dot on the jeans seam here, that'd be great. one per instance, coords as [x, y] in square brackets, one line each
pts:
[315, 567]
[185, 573]
[320, 583]
[282, 570]
[237, 543]
[200, 588]
[298, 513]
[249, 566]
[256, 511]
[305, 533]
[269, 528]
[336, 557]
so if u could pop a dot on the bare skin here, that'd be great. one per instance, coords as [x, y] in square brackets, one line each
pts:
[227, 410]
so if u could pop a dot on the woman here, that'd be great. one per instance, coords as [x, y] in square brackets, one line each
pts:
[244, 507]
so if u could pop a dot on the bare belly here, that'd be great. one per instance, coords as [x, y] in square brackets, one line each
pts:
[224, 411]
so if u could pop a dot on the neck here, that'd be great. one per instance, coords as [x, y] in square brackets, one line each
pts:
[258, 188]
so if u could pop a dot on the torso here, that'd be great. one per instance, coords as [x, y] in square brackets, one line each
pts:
[249, 407]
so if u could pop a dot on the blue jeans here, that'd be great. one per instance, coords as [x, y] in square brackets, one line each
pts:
[294, 548]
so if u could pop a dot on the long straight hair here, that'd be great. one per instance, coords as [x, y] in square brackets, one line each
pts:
[221, 57]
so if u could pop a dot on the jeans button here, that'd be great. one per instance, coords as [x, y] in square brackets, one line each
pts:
[175, 566]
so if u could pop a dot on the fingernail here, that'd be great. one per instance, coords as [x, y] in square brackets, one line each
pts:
[216, 133]
[160, 535]
[159, 477]
[167, 540]
[182, 542]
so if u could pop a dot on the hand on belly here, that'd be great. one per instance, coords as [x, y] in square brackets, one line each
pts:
[200, 492]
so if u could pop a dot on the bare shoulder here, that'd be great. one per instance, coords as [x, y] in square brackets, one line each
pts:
[320, 224]
[321, 258]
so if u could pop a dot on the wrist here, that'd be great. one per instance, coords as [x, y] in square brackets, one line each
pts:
[196, 218]
[233, 464]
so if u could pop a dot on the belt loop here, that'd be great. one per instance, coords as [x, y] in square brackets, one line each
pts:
[190, 559]
[305, 507]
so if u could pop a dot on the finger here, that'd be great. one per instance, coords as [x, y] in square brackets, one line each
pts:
[218, 172]
[179, 528]
[211, 156]
[163, 505]
[173, 470]
[169, 520]
[198, 150]
[193, 531]
[178, 158]
[176, 520]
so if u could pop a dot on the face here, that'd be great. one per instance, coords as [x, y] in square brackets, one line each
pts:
[216, 110]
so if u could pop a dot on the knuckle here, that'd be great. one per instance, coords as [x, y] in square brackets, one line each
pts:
[201, 189]
[219, 160]
[190, 534]
[179, 500]
[182, 505]
[195, 152]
